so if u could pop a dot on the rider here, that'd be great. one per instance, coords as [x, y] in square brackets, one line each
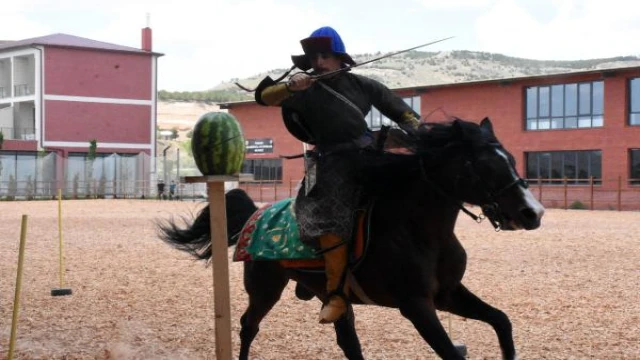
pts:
[330, 114]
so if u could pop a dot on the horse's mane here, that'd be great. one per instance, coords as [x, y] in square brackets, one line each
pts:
[434, 136]
[435, 142]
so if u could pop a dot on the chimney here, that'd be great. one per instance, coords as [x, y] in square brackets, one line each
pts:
[146, 36]
[146, 39]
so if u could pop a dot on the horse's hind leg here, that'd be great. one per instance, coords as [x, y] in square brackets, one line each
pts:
[264, 283]
[422, 313]
[464, 303]
[347, 337]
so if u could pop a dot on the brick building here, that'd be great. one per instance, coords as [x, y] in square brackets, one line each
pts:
[59, 92]
[572, 134]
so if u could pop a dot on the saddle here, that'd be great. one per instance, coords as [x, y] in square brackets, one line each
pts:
[271, 234]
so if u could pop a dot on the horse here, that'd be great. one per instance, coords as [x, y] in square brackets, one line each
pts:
[414, 261]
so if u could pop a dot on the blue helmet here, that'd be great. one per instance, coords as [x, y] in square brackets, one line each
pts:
[324, 39]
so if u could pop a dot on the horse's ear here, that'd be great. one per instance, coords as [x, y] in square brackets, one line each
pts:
[457, 127]
[486, 124]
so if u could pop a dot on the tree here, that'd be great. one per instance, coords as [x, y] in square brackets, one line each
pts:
[91, 157]
[13, 188]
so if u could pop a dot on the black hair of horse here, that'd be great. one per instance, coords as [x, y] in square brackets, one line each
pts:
[414, 261]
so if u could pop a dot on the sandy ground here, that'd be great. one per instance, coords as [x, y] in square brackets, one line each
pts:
[570, 288]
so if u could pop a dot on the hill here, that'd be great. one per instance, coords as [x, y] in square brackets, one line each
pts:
[180, 110]
[418, 68]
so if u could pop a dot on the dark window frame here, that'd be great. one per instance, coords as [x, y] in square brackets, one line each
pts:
[533, 121]
[262, 170]
[569, 161]
[634, 167]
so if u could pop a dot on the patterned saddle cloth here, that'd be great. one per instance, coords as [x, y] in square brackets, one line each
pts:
[272, 233]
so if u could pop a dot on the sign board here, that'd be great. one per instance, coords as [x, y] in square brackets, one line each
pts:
[259, 146]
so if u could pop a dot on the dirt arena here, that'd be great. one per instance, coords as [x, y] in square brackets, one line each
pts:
[571, 289]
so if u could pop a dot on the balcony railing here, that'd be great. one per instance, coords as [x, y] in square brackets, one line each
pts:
[18, 133]
[23, 90]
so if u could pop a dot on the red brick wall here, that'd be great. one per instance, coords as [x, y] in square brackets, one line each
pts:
[265, 122]
[78, 72]
[19, 145]
[80, 121]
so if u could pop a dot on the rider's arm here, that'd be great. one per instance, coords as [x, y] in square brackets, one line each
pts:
[271, 93]
[391, 105]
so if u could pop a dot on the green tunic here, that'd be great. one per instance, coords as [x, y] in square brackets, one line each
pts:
[329, 120]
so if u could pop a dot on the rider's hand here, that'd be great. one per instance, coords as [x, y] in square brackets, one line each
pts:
[299, 82]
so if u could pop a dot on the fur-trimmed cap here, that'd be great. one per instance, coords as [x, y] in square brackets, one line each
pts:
[324, 39]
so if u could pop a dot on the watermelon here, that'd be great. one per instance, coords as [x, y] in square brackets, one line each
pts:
[217, 144]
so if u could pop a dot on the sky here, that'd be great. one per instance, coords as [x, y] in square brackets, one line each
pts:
[206, 42]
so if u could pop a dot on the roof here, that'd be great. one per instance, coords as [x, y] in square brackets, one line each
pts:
[72, 41]
[606, 72]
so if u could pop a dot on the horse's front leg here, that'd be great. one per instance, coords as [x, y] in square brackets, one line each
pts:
[463, 302]
[347, 337]
[422, 313]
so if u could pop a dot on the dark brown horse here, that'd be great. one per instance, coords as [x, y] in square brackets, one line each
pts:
[413, 262]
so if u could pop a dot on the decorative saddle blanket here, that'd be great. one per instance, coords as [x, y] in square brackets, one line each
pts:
[272, 233]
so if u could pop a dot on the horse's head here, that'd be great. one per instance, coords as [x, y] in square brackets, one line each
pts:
[468, 163]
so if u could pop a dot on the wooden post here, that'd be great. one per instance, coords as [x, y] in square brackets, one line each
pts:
[540, 189]
[565, 193]
[275, 191]
[220, 261]
[591, 186]
[619, 193]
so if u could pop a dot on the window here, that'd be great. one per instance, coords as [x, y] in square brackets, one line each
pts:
[554, 166]
[375, 119]
[263, 169]
[634, 101]
[566, 106]
[634, 160]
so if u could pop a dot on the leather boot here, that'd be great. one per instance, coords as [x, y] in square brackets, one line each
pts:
[335, 266]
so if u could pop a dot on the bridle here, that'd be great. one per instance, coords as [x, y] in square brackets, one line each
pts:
[490, 207]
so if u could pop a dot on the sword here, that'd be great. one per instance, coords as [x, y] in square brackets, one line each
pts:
[348, 68]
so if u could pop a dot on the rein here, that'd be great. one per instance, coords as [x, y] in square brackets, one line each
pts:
[424, 177]
[490, 210]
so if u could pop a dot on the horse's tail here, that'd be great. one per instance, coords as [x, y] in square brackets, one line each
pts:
[196, 238]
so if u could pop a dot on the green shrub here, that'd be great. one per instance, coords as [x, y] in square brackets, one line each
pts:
[577, 205]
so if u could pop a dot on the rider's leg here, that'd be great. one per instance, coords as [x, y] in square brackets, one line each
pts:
[335, 266]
